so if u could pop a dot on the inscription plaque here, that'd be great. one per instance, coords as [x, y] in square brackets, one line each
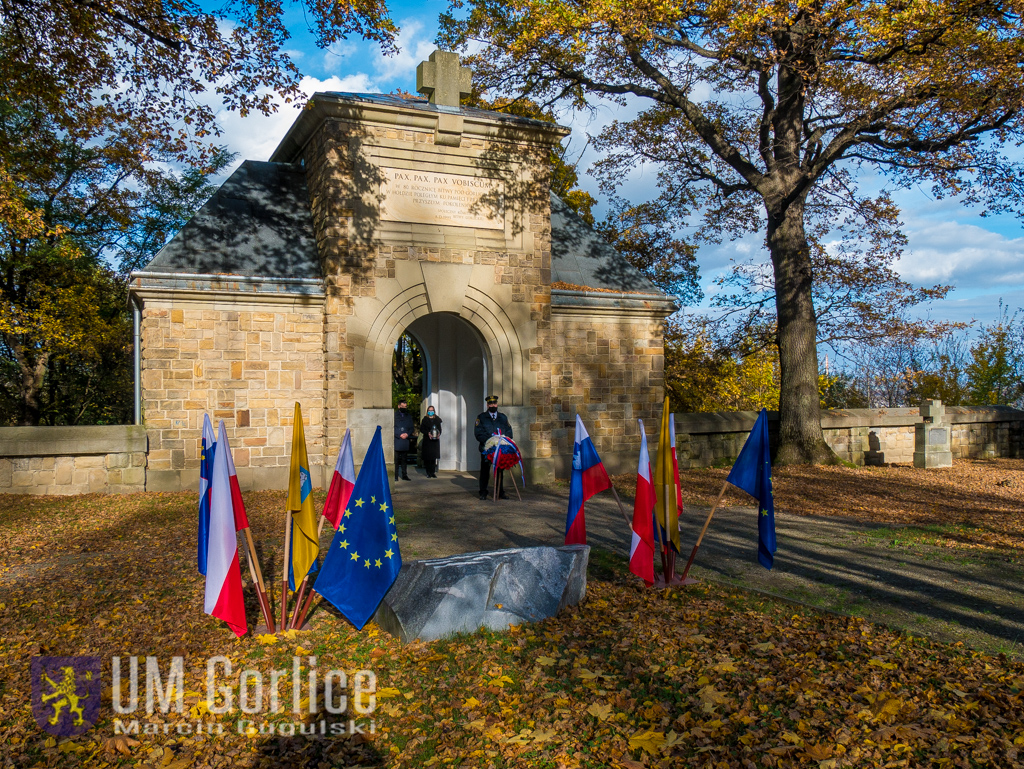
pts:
[936, 436]
[426, 197]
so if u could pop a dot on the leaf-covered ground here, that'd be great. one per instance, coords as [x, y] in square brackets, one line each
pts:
[985, 498]
[707, 677]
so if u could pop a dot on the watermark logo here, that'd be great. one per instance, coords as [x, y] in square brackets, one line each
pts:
[332, 694]
[66, 694]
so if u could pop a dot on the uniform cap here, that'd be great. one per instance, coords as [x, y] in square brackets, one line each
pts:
[492, 400]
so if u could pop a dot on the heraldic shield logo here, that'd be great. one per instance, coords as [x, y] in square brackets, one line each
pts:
[66, 694]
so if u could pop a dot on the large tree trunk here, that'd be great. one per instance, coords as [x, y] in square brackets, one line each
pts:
[800, 437]
[31, 383]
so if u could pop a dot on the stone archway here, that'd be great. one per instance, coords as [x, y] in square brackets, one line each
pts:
[454, 382]
[495, 325]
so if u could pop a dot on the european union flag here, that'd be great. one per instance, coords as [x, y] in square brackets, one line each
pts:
[363, 560]
[753, 473]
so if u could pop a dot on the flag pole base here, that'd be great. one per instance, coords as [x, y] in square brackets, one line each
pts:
[660, 584]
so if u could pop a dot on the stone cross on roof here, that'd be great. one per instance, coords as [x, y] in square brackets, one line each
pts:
[443, 80]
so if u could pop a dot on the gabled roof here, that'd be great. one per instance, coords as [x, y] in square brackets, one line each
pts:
[258, 223]
[581, 257]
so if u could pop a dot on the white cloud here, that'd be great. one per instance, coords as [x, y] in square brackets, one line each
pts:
[964, 255]
[256, 136]
[399, 70]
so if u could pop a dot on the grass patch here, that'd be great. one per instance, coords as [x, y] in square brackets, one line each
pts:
[933, 535]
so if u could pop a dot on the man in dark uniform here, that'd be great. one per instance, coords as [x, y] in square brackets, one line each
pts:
[403, 434]
[487, 424]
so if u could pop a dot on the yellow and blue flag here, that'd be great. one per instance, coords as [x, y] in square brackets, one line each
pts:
[363, 560]
[305, 542]
[752, 472]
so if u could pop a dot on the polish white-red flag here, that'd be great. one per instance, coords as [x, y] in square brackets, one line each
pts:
[237, 505]
[641, 550]
[675, 464]
[342, 483]
[223, 574]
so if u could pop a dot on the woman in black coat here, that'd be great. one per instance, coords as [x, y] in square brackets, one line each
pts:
[430, 437]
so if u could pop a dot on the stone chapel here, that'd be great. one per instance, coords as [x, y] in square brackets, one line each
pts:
[378, 216]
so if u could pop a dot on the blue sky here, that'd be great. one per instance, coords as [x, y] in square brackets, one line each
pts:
[982, 257]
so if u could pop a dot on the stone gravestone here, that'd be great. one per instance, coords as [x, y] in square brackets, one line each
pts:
[443, 596]
[931, 437]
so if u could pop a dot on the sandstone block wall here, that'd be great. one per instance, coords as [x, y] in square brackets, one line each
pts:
[237, 360]
[72, 460]
[861, 436]
[380, 276]
[612, 372]
[987, 439]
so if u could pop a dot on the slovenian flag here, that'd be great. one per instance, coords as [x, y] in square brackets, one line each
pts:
[237, 505]
[342, 483]
[641, 551]
[205, 472]
[223, 574]
[588, 478]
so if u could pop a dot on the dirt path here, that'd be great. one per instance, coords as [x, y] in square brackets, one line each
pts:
[908, 577]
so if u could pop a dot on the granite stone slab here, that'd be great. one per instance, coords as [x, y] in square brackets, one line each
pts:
[440, 597]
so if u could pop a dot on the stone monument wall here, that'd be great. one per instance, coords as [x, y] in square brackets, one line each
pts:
[486, 259]
[860, 436]
[612, 372]
[237, 359]
[72, 460]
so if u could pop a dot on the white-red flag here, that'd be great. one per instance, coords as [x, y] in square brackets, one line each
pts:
[675, 464]
[342, 483]
[237, 505]
[223, 574]
[641, 551]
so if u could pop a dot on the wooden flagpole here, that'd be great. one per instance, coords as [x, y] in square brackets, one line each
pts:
[284, 572]
[622, 510]
[300, 593]
[261, 588]
[707, 523]
[305, 608]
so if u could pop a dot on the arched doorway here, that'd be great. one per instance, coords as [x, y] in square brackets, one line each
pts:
[454, 382]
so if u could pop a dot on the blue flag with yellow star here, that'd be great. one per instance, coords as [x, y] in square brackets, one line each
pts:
[752, 472]
[363, 560]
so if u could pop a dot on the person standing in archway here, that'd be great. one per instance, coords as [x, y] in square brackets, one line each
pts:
[488, 424]
[430, 436]
[404, 426]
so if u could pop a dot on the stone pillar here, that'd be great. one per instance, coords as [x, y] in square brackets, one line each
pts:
[931, 437]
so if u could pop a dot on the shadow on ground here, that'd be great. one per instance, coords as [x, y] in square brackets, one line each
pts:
[843, 565]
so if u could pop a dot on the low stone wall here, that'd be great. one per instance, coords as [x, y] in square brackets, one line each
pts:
[860, 436]
[73, 460]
